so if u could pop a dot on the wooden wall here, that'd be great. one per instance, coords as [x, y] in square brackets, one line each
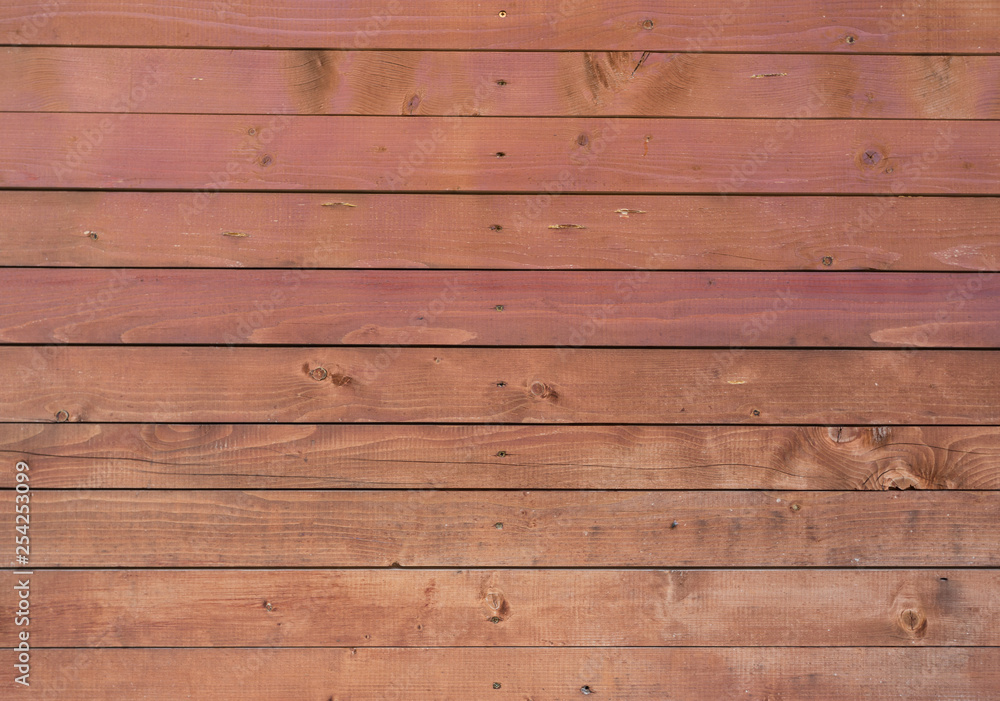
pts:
[440, 350]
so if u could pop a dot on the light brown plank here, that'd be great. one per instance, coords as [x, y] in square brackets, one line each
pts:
[167, 528]
[496, 154]
[470, 674]
[242, 456]
[68, 79]
[483, 308]
[494, 385]
[719, 25]
[403, 608]
[147, 229]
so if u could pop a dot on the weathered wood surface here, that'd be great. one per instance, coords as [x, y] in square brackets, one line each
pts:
[720, 25]
[626, 83]
[497, 154]
[485, 308]
[247, 456]
[302, 230]
[504, 608]
[186, 528]
[495, 385]
[545, 674]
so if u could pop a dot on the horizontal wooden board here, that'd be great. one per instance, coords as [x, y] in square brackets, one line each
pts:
[291, 230]
[496, 154]
[407, 608]
[719, 25]
[539, 674]
[537, 308]
[494, 385]
[165, 528]
[68, 79]
[248, 456]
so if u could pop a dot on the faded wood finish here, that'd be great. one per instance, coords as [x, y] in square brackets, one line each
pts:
[468, 385]
[301, 230]
[541, 308]
[504, 608]
[159, 456]
[784, 25]
[491, 154]
[636, 83]
[541, 674]
[165, 528]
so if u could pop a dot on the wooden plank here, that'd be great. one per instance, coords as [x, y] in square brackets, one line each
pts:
[784, 25]
[291, 230]
[68, 79]
[493, 385]
[249, 456]
[406, 608]
[494, 154]
[483, 308]
[165, 528]
[541, 674]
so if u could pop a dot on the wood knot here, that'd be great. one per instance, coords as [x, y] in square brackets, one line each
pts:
[843, 434]
[540, 390]
[497, 604]
[899, 476]
[318, 374]
[913, 622]
[341, 380]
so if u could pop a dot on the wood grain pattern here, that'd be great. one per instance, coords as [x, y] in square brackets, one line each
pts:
[719, 25]
[301, 230]
[247, 456]
[492, 385]
[68, 79]
[499, 154]
[504, 608]
[693, 674]
[538, 308]
[165, 528]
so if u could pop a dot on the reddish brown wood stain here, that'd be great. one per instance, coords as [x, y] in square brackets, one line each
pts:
[447, 351]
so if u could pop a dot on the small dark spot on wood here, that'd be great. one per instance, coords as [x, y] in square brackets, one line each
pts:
[496, 685]
[268, 606]
[944, 579]
[796, 507]
[501, 83]
[501, 453]
[91, 235]
[501, 154]
[341, 380]
[850, 38]
[496, 227]
[501, 383]
[583, 140]
[499, 307]
[674, 524]
[437, 360]
[266, 160]
[647, 25]
[251, 131]
[498, 526]
[585, 690]
[494, 619]
[755, 412]
[827, 261]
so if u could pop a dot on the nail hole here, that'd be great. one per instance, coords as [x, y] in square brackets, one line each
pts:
[496, 227]
[251, 131]
[498, 526]
[501, 453]
[499, 307]
[674, 524]
[503, 13]
[585, 689]
[755, 412]
[501, 383]
[501, 154]
[268, 606]
[827, 261]
[648, 24]
[496, 685]
[795, 507]
[944, 579]
[850, 39]
[92, 235]
[501, 83]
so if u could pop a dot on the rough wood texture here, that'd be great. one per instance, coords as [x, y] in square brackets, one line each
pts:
[493, 385]
[483, 308]
[161, 456]
[719, 25]
[293, 230]
[498, 154]
[360, 674]
[146, 528]
[65, 79]
[296, 608]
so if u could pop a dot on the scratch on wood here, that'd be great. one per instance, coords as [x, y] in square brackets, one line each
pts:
[566, 226]
[768, 75]
[236, 234]
[623, 213]
[338, 204]
[642, 60]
